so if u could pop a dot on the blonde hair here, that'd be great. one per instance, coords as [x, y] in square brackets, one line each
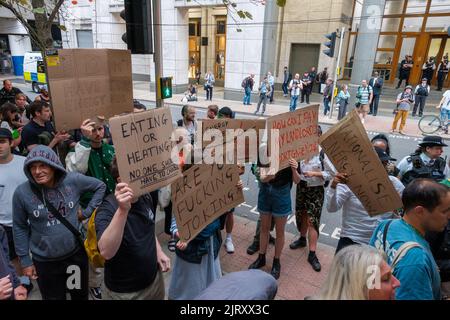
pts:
[350, 272]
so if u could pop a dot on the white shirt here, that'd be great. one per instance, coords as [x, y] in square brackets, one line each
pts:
[446, 103]
[314, 164]
[356, 222]
[11, 176]
[295, 91]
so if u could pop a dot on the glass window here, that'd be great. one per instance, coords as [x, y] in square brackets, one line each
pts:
[387, 41]
[416, 6]
[192, 29]
[357, 16]
[440, 6]
[437, 24]
[85, 39]
[435, 46]
[384, 57]
[412, 24]
[394, 7]
[221, 27]
[390, 24]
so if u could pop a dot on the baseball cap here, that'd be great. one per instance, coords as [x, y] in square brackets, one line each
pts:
[382, 155]
[5, 133]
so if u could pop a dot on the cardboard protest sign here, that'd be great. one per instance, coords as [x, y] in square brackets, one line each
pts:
[203, 194]
[243, 142]
[143, 149]
[298, 137]
[349, 149]
[87, 83]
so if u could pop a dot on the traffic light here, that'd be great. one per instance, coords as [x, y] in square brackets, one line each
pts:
[138, 17]
[330, 44]
[165, 87]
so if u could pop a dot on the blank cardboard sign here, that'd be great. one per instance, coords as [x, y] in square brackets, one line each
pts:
[143, 149]
[87, 83]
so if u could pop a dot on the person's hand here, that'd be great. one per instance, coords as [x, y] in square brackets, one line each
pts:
[339, 178]
[61, 136]
[80, 215]
[20, 293]
[181, 245]
[86, 128]
[6, 288]
[163, 261]
[294, 164]
[240, 185]
[123, 195]
[310, 174]
[30, 272]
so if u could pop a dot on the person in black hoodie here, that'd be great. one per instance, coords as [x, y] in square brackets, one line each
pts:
[10, 287]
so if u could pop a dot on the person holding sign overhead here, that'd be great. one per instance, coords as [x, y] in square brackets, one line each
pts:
[125, 227]
[274, 199]
[357, 225]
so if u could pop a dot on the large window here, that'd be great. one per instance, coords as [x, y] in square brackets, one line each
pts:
[194, 47]
[416, 6]
[394, 7]
[220, 44]
[85, 39]
[440, 6]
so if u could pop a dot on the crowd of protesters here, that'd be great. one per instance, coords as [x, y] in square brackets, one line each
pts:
[48, 196]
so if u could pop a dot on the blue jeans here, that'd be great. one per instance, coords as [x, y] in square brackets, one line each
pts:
[293, 104]
[445, 116]
[247, 95]
[326, 106]
[285, 88]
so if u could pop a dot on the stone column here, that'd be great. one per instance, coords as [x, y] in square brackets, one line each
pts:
[366, 45]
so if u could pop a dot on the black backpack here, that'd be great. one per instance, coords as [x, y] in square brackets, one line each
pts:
[322, 158]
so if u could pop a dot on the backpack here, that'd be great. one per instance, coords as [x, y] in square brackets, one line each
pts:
[90, 244]
[244, 83]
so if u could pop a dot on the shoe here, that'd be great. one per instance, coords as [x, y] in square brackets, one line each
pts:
[420, 115]
[254, 247]
[229, 246]
[259, 263]
[392, 131]
[314, 262]
[96, 293]
[370, 113]
[402, 133]
[172, 244]
[272, 240]
[413, 115]
[276, 269]
[299, 243]
[256, 112]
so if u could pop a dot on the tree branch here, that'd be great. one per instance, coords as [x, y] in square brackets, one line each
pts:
[54, 12]
[33, 34]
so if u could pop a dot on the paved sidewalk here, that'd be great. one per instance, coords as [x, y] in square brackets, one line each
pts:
[380, 123]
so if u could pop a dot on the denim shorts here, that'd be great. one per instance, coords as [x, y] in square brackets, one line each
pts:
[274, 200]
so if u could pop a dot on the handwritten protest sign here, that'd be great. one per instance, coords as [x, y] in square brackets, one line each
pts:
[143, 149]
[350, 151]
[87, 83]
[243, 136]
[202, 195]
[298, 137]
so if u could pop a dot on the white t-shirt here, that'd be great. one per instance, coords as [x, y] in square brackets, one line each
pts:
[446, 104]
[11, 176]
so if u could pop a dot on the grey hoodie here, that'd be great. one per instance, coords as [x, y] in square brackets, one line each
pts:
[34, 227]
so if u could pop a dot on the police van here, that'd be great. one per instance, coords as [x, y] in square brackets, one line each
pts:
[34, 70]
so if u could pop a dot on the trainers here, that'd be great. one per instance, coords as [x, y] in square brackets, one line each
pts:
[276, 269]
[299, 243]
[402, 133]
[229, 246]
[314, 262]
[96, 293]
[272, 240]
[259, 263]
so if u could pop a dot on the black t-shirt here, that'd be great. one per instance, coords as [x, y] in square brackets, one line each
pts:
[282, 178]
[33, 133]
[134, 267]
